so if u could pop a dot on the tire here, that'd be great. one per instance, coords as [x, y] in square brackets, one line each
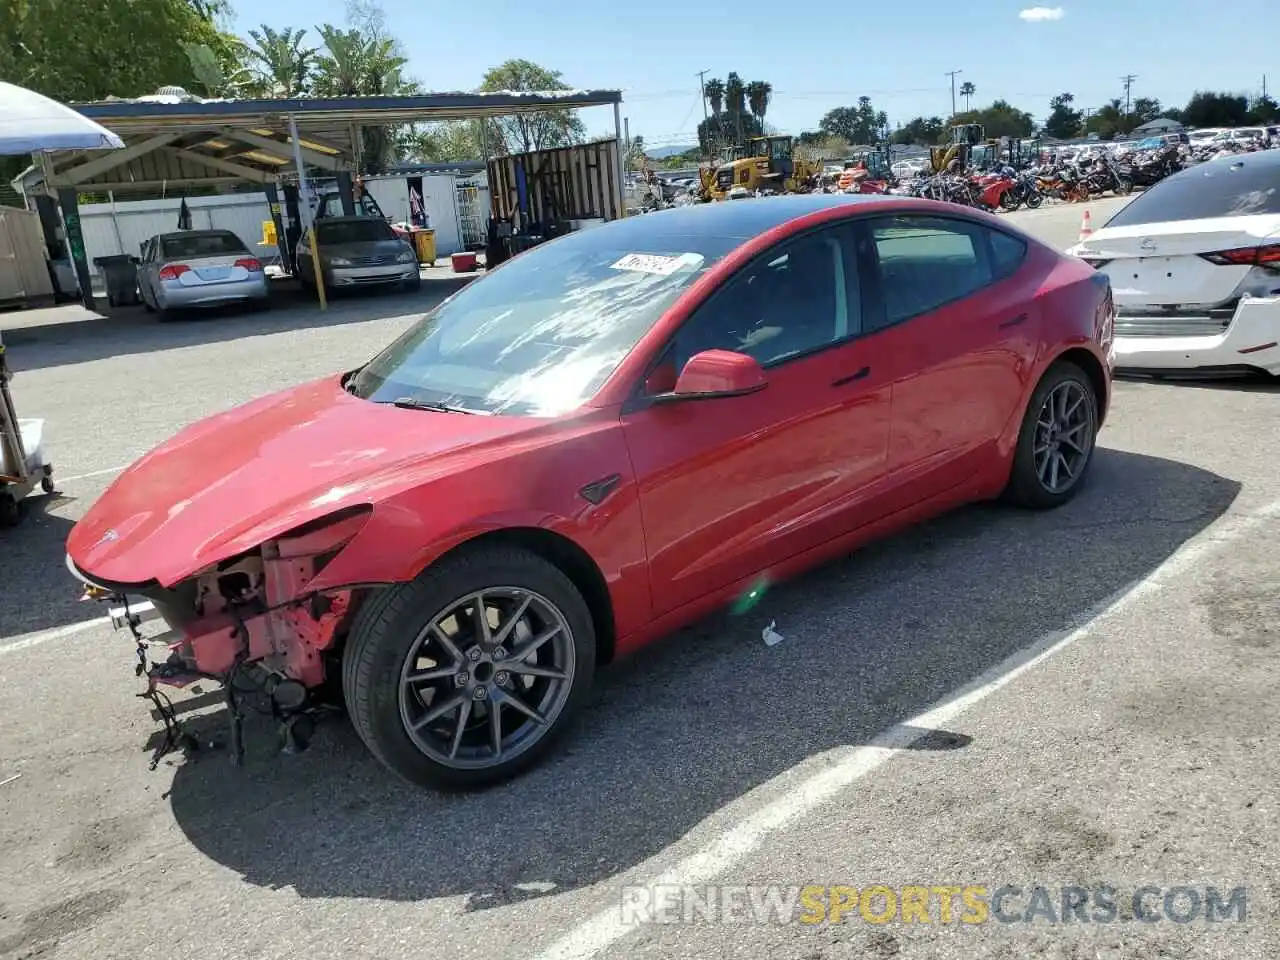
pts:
[393, 622]
[47, 485]
[1026, 488]
[10, 512]
[413, 284]
[1125, 187]
[1009, 201]
[1034, 199]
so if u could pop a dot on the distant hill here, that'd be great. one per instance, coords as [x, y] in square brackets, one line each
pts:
[661, 153]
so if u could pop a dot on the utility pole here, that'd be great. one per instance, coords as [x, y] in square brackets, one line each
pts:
[702, 86]
[1127, 80]
[952, 75]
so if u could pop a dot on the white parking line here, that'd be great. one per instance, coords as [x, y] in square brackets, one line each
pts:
[91, 474]
[25, 641]
[799, 798]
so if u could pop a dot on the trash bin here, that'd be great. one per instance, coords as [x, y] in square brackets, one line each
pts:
[424, 242]
[121, 276]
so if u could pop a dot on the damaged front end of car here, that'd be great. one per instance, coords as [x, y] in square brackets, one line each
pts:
[253, 623]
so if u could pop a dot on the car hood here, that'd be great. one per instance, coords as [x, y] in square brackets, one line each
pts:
[228, 483]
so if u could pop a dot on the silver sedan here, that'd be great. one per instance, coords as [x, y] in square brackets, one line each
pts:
[358, 252]
[199, 268]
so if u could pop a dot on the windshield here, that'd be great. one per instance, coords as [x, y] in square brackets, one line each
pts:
[542, 334]
[201, 245]
[365, 230]
[1221, 188]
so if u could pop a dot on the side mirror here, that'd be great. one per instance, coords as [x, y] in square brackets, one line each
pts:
[718, 373]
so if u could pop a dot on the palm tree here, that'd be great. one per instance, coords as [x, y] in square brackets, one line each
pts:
[281, 61]
[735, 94]
[713, 90]
[759, 93]
[967, 90]
[356, 64]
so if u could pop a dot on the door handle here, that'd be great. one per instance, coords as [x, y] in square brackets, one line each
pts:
[1015, 322]
[865, 371]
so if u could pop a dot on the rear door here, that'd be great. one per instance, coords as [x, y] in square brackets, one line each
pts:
[959, 329]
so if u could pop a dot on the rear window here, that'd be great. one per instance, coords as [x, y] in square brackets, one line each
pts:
[1233, 187]
[202, 245]
[354, 231]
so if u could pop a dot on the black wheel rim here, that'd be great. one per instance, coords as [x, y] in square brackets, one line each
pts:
[1063, 437]
[487, 678]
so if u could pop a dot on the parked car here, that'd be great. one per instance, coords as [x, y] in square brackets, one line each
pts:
[358, 252]
[199, 268]
[611, 435]
[1195, 262]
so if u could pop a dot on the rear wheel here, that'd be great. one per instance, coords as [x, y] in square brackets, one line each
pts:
[1056, 443]
[466, 676]
[1034, 199]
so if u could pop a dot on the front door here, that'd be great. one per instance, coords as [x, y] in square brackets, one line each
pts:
[732, 486]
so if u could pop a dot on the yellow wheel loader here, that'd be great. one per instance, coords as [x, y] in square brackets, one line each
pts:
[768, 163]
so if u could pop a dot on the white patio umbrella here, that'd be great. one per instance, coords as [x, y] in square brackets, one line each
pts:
[32, 123]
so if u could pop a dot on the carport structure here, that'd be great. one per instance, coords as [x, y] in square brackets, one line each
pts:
[174, 143]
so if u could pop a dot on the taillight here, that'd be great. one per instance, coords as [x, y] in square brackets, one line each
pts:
[250, 263]
[172, 271]
[1245, 256]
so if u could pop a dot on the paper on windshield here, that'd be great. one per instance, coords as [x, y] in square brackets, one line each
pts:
[657, 263]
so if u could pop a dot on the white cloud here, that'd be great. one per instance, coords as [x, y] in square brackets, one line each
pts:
[1038, 14]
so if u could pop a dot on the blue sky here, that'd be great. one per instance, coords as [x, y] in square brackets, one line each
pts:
[896, 53]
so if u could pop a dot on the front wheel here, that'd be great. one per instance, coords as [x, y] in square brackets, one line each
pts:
[1034, 199]
[1056, 442]
[1124, 187]
[466, 676]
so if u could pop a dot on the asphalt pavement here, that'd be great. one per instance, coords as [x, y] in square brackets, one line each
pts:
[992, 703]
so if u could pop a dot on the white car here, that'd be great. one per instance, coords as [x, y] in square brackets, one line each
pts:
[1194, 264]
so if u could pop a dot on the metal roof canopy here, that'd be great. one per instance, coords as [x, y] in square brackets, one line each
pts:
[178, 145]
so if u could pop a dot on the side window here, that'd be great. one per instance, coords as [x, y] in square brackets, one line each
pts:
[923, 262]
[1006, 254]
[801, 296]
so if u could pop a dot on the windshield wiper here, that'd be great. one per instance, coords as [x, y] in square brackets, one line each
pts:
[409, 403]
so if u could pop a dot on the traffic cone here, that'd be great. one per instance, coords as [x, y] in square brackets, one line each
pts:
[1086, 228]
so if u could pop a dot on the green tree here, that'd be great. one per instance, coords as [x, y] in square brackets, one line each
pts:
[922, 131]
[534, 131]
[86, 50]
[759, 93]
[735, 104]
[1064, 120]
[281, 60]
[1264, 110]
[967, 90]
[713, 89]
[1110, 121]
[1001, 119]
[858, 125]
[1207, 109]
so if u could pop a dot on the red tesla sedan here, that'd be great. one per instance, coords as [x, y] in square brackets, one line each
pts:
[606, 438]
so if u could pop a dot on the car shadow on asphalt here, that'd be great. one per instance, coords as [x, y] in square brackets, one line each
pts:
[42, 339]
[27, 553]
[706, 716]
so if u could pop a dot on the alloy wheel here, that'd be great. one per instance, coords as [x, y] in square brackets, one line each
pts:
[1063, 436]
[487, 677]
